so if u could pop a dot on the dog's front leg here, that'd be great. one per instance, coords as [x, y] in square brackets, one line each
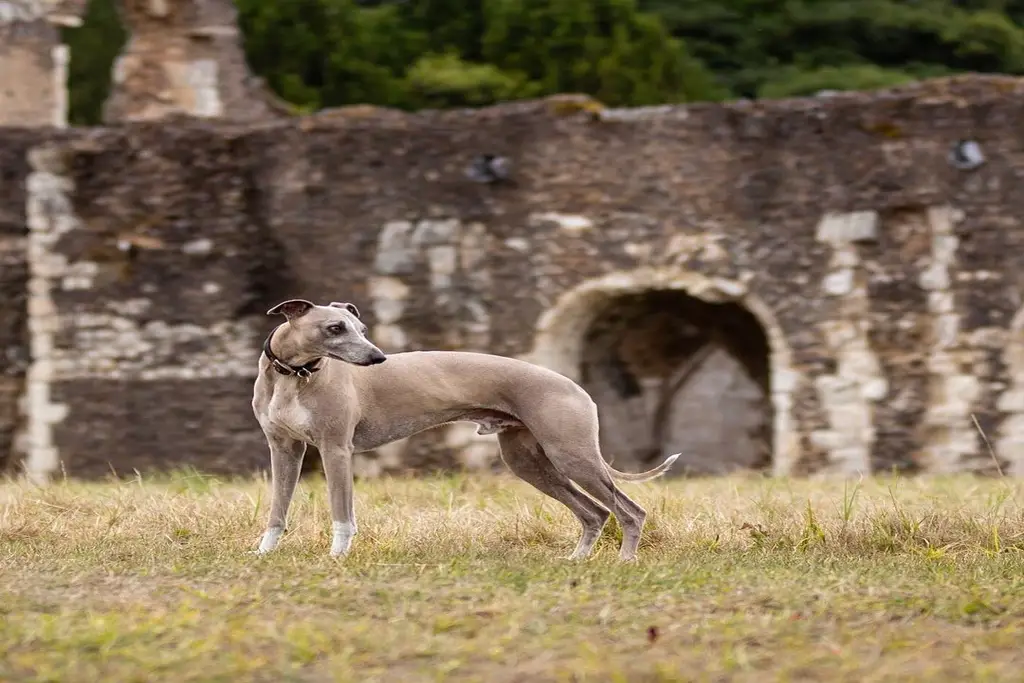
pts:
[285, 465]
[338, 470]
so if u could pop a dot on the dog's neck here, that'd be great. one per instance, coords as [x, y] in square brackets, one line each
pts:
[296, 364]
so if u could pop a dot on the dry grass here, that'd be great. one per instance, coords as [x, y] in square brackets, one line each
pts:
[462, 578]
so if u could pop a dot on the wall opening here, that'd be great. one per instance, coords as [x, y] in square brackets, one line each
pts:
[93, 47]
[750, 364]
[671, 373]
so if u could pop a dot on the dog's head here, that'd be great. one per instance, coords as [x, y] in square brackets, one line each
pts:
[334, 331]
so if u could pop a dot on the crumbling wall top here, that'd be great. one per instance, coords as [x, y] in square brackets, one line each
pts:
[59, 12]
[185, 57]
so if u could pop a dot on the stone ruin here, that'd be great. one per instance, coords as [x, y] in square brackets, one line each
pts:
[182, 57]
[824, 285]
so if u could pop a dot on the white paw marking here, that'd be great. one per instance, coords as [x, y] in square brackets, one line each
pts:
[271, 537]
[341, 539]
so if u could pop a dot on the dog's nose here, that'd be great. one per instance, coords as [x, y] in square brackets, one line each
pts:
[377, 358]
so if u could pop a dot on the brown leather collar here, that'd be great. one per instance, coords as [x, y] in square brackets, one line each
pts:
[304, 371]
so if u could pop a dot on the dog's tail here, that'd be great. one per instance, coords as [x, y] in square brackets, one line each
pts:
[644, 476]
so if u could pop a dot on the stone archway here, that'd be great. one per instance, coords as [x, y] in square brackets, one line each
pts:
[671, 373]
[572, 336]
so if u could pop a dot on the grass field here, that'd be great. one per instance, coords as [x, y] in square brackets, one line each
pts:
[463, 578]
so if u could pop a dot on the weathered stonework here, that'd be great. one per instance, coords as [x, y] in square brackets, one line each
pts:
[954, 387]
[1009, 442]
[135, 321]
[848, 395]
[33, 62]
[883, 278]
[184, 57]
[444, 248]
[50, 216]
[560, 335]
[453, 258]
[14, 335]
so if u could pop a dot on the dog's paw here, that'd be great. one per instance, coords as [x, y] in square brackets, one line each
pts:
[341, 538]
[271, 537]
[340, 551]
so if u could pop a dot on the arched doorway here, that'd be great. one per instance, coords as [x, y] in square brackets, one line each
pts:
[677, 362]
[671, 373]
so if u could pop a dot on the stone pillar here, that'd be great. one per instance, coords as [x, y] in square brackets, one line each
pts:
[849, 394]
[33, 62]
[184, 57]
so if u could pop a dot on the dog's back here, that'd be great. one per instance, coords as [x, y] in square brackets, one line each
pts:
[454, 378]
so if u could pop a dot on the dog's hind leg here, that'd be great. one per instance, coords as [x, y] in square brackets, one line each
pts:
[567, 429]
[285, 466]
[594, 478]
[526, 459]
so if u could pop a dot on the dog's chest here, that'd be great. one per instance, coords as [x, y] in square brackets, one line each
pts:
[292, 417]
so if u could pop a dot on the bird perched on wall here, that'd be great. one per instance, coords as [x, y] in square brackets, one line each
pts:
[488, 168]
[966, 155]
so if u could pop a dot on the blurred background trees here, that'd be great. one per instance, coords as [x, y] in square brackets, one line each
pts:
[412, 54]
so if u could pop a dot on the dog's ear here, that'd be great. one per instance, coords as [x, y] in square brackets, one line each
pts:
[351, 308]
[293, 308]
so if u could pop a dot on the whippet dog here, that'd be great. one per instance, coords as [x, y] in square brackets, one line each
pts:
[315, 387]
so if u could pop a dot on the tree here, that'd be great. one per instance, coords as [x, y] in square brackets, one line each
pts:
[756, 47]
[441, 53]
[447, 26]
[412, 54]
[321, 53]
[93, 46]
[803, 82]
[439, 80]
[606, 49]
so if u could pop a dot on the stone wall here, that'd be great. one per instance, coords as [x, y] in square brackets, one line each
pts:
[33, 61]
[876, 250]
[184, 57]
[14, 336]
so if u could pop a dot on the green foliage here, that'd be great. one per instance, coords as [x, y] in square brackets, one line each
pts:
[605, 49]
[802, 83]
[446, 26]
[93, 46]
[761, 48]
[441, 53]
[319, 53]
[413, 54]
[446, 80]
[988, 40]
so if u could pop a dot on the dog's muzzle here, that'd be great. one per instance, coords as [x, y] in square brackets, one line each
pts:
[377, 358]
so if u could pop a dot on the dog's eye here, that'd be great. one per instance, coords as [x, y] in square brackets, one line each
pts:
[337, 328]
